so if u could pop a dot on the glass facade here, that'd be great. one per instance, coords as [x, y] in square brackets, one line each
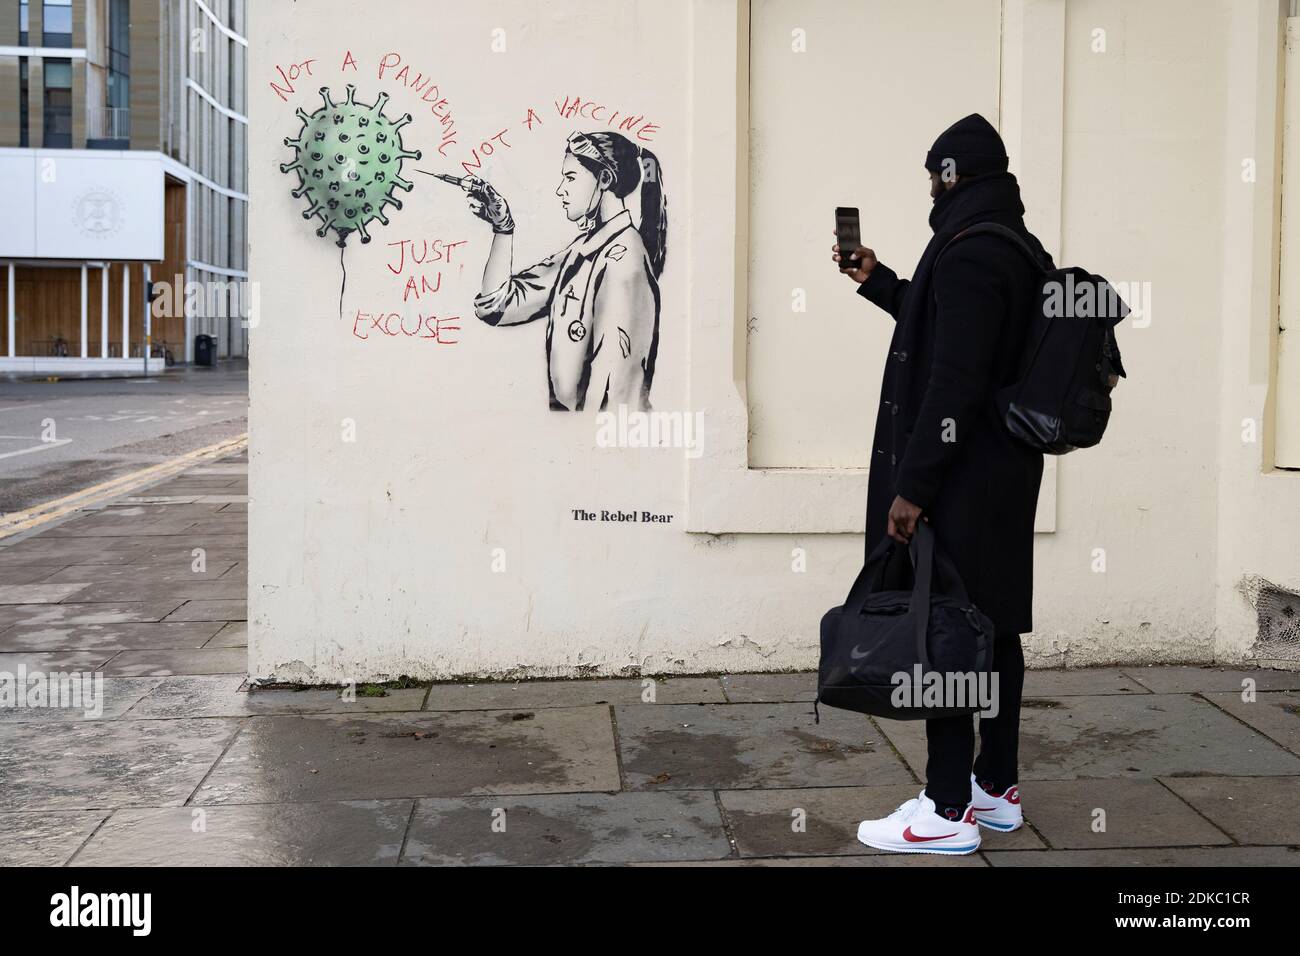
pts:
[57, 22]
[24, 123]
[58, 103]
[119, 54]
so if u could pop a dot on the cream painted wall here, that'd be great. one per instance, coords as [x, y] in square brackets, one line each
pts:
[441, 541]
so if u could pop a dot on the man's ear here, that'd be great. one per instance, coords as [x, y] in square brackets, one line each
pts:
[606, 179]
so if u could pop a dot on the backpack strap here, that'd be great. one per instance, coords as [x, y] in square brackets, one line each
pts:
[997, 229]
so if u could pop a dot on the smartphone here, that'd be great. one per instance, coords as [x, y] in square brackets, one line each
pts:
[848, 233]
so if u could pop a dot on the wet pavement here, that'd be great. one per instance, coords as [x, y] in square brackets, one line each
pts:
[182, 763]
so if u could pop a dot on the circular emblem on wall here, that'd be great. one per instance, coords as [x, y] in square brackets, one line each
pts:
[577, 331]
[97, 213]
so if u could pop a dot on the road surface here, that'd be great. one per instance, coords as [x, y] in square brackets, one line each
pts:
[59, 437]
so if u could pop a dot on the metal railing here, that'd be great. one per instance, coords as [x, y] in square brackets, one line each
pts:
[108, 122]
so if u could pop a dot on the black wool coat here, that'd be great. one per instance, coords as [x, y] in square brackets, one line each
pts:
[938, 443]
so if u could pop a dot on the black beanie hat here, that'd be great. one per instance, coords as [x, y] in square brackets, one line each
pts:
[972, 145]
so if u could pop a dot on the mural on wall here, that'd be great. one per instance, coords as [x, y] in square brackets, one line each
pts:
[348, 159]
[600, 294]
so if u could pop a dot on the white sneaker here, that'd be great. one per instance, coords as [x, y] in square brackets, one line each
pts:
[997, 811]
[916, 828]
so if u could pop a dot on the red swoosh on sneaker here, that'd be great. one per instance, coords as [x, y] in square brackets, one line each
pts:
[911, 837]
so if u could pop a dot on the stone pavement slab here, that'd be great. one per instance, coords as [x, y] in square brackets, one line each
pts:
[907, 739]
[220, 524]
[1256, 810]
[571, 693]
[224, 469]
[566, 829]
[87, 660]
[160, 549]
[361, 833]
[155, 662]
[20, 555]
[1097, 814]
[1209, 680]
[232, 634]
[201, 610]
[193, 589]
[27, 572]
[378, 756]
[769, 688]
[147, 499]
[97, 764]
[118, 612]
[116, 696]
[102, 524]
[47, 593]
[224, 696]
[1080, 681]
[1275, 714]
[1198, 857]
[733, 746]
[74, 552]
[107, 637]
[45, 838]
[1149, 736]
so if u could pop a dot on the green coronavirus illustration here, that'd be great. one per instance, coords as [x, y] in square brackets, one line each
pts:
[349, 164]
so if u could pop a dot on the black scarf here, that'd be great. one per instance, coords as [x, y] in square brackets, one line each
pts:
[994, 197]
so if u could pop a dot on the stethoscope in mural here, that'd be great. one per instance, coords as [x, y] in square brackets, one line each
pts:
[349, 165]
[600, 294]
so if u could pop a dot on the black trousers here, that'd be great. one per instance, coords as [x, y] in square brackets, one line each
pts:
[951, 740]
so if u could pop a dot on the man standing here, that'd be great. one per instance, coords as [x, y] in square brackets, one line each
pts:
[941, 454]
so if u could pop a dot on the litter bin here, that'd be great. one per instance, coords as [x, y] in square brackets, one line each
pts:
[205, 350]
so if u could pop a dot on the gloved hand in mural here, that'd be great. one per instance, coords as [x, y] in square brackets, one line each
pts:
[488, 204]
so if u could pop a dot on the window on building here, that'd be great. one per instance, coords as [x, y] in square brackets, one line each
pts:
[119, 54]
[24, 137]
[58, 103]
[57, 22]
[24, 15]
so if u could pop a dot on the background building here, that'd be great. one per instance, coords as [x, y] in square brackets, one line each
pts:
[122, 148]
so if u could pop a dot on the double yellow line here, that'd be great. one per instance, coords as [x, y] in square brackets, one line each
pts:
[21, 521]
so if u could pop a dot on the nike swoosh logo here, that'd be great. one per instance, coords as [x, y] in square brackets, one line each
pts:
[911, 837]
[858, 655]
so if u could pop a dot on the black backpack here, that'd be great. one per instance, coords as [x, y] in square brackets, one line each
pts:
[1070, 361]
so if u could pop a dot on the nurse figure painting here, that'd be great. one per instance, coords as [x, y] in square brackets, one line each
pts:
[600, 294]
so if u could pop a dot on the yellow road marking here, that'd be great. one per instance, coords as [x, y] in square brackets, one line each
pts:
[21, 521]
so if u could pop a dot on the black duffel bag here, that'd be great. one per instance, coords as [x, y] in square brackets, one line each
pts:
[881, 649]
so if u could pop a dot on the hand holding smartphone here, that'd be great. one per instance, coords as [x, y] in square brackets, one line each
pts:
[848, 234]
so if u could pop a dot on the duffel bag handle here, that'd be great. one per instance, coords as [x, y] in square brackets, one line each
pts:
[922, 548]
[926, 554]
[863, 585]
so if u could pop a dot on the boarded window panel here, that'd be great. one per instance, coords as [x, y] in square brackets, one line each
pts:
[846, 122]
